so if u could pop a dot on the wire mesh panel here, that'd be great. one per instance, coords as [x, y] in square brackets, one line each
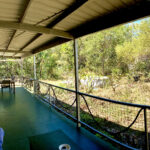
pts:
[42, 89]
[64, 99]
[122, 122]
[28, 84]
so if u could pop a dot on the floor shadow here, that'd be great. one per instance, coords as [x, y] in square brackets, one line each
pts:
[7, 97]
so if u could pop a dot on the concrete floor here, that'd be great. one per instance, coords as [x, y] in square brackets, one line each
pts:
[23, 115]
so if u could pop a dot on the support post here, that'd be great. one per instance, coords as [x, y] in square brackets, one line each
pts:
[34, 67]
[22, 73]
[34, 60]
[49, 91]
[146, 131]
[77, 83]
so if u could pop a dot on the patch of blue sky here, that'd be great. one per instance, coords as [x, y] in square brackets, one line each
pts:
[135, 32]
[138, 21]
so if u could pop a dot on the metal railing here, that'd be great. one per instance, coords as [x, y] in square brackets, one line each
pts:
[126, 124]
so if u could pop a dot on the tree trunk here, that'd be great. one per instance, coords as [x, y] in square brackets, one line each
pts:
[103, 66]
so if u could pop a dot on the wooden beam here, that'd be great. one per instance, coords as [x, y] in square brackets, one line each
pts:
[34, 29]
[10, 57]
[9, 60]
[26, 6]
[47, 45]
[67, 12]
[12, 51]
[137, 10]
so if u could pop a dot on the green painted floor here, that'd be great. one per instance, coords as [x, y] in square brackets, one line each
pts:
[23, 116]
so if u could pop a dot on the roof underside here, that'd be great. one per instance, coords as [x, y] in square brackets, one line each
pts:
[31, 26]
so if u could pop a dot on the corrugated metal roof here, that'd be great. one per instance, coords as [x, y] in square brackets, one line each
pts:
[76, 17]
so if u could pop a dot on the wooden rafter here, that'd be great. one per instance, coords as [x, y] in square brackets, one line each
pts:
[63, 15]
[10, 57]
[14, 51]
[34, 29]
[20, 20]
[124, 15]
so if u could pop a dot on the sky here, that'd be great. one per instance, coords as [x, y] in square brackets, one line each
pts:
[138, 21]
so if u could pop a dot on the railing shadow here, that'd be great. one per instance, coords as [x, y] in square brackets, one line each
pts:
[7, 98]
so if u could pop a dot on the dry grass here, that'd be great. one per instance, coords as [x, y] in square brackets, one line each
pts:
[127, 91]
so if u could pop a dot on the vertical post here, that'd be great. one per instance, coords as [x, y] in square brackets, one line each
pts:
[77, 83]
[146, 131]
[49, 89]
[22, 73]
[34, 60]
[34, 67]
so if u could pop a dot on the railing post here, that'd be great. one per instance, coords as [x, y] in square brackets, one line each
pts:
[49, 90]
[22, 72]
[77, 83]
[146, 130]
[34, 61]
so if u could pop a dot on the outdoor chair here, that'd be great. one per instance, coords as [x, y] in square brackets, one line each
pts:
[5, 84]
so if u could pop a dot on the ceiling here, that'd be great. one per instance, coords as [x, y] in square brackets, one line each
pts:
[30, 26]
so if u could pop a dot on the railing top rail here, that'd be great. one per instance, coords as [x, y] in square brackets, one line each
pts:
[97, 97]
[116, 102]
[52, 85]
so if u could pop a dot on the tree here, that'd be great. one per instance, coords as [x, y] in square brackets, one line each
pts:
[136, 52]
[98, 50]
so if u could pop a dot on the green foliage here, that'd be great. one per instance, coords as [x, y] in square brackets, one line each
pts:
[135, 53]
